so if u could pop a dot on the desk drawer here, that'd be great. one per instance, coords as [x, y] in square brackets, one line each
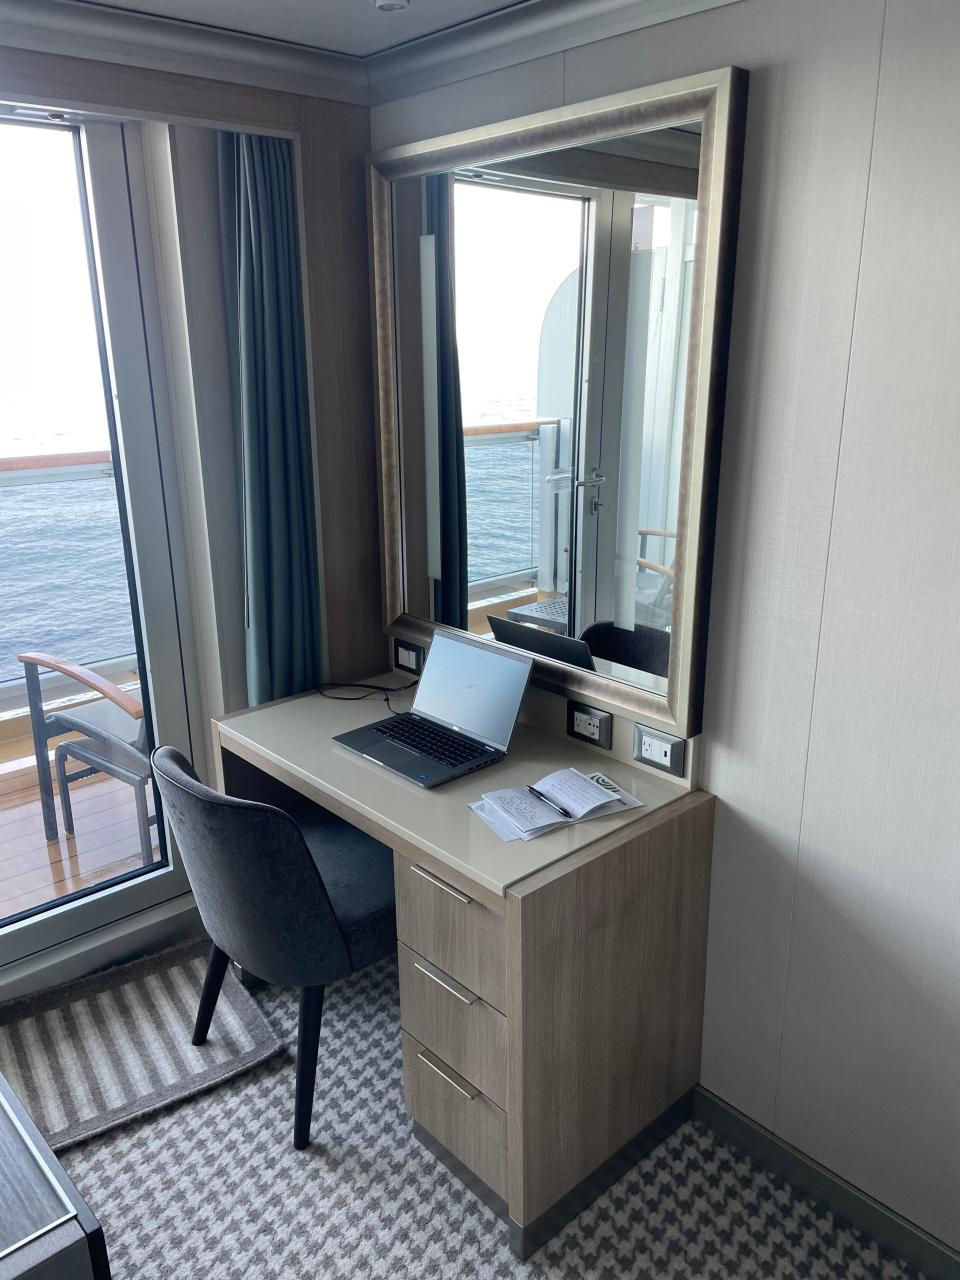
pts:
[455, 1023]
[459, 933]
[456, 1114]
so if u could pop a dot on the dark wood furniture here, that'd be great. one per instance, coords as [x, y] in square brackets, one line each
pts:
[47, 1230]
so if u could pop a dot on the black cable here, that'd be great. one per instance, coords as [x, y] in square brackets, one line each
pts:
[384, 690]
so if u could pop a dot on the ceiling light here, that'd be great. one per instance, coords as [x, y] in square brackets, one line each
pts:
[391, 6]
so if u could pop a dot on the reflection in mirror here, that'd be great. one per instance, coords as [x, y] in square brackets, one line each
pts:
[543, 322]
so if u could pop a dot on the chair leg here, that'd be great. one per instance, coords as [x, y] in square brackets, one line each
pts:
[308, 1044]
[216, 968]
[143, 823]
[39, 728]
[63, 783]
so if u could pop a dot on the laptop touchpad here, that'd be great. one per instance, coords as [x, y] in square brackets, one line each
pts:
[391, 753]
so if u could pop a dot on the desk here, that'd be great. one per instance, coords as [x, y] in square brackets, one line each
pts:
[551, 991]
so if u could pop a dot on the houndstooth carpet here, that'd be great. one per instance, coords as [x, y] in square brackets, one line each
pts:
[213, 1188]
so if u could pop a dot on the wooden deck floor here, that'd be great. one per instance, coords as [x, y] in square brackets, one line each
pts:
[105, 844]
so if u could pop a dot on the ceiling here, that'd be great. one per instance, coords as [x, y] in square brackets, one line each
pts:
[354, 27]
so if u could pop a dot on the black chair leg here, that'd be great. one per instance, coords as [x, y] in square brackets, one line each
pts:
[308, 1044]
[216, 968]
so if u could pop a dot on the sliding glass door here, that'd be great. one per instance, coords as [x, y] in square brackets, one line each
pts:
[91, 669]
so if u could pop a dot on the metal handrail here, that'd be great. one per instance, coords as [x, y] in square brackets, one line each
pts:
[55, 468]
[529, 429]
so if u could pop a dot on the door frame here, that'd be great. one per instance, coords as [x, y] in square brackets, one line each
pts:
[123, 284]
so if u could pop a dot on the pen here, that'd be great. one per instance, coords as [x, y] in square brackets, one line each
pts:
[540, 796]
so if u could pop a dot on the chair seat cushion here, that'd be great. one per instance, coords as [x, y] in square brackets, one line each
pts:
[358, 873]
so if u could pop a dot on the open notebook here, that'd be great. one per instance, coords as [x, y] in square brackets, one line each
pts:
[516, 814]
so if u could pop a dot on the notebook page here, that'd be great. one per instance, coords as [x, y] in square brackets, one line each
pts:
[525, 811]
[574, 792]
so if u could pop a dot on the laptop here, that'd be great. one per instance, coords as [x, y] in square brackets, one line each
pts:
[546, 644]
[462, 717]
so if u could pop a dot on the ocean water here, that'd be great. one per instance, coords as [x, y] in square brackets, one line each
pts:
[63, 585]
[503, 508]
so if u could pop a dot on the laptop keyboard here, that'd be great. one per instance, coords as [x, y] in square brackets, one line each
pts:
[431, 740]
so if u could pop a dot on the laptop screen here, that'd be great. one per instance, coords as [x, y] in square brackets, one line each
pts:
[473, 688]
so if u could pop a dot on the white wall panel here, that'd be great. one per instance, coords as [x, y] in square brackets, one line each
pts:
[813, 72]
[845, 1040]
[813, 76]
[872, 1028]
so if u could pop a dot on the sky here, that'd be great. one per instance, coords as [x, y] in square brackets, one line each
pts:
[51, 394]
[513, 251]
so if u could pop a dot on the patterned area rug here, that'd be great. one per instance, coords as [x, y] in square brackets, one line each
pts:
[213, 1187]
[95, 1054]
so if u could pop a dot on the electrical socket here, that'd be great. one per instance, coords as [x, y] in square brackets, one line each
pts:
[590, 724]
[407, 656]
[659, 750]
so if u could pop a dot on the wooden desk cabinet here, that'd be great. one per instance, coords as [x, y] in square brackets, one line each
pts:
[547, 1029]
[551, 1029]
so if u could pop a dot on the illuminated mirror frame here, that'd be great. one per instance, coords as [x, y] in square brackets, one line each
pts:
[718, 101]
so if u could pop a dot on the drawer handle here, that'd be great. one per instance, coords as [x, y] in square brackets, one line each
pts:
[451, 1077]
[448, 984]
[441, 884]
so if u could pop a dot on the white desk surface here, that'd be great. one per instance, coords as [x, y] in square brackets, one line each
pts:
[296, 734]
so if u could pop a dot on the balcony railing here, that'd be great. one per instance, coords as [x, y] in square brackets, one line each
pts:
[508, 501]
[65, 584]
[55, 468]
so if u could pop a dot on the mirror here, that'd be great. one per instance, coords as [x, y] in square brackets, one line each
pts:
[552, 299]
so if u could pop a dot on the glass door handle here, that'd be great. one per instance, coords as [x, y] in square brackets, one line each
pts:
[596, 479]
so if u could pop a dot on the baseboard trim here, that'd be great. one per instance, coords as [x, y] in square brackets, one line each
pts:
[526, 1240]
[933, 1257]
[466, 1175]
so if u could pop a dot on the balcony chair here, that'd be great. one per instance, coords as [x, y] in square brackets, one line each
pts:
[297, 901]
[113, 741]
[644, 648]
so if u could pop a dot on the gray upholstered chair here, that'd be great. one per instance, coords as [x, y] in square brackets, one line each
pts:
[299, 903]
[646, 648]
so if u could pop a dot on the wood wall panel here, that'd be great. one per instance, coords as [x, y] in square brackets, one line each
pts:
[334, 140]
[871, 1035]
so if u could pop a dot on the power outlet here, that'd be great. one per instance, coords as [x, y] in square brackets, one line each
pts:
[659, 750]
[590, 724]
[407, 656]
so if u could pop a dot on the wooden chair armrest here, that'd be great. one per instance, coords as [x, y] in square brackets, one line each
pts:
[100, 684]
[655, 568]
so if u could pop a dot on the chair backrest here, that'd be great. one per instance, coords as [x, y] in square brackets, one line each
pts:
[646, 648]
[258, 890]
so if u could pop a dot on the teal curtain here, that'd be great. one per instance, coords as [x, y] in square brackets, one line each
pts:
[451, 592]
[261, 261]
